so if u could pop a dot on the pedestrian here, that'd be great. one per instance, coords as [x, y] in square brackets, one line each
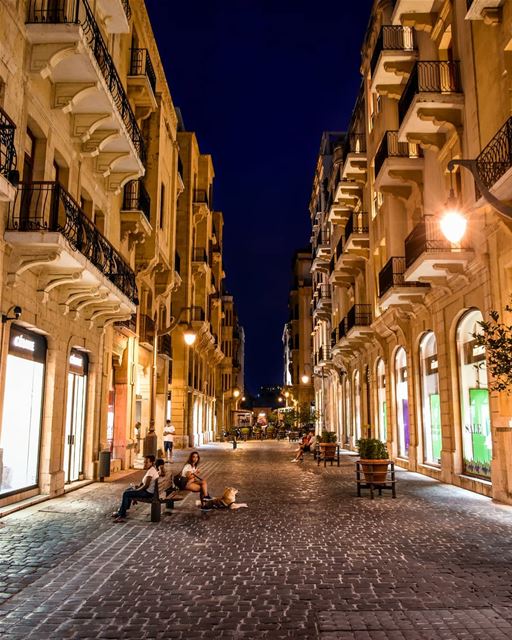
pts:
[189, 479]
[168, 439]
[304, 446]
[145, 489]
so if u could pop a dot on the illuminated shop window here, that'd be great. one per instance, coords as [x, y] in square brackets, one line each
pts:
[381, 400]
[402, 402]
[430, 402]
[474, 398]
[22, 411]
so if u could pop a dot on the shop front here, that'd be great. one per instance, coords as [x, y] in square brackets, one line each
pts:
[474, 398]
[402, 402]
[381, 401]
[430, 401]
[75, 416]
[20, 435]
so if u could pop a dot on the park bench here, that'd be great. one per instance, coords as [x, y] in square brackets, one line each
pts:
[156, 501]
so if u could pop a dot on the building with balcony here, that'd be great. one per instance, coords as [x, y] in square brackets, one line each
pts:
[93, 250]
[298, 372]
[398, 359]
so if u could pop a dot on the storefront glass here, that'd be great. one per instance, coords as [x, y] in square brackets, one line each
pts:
[348, 410]
[22, 411]
[402, 402]
[357, 405]
[430, 402]
[474, 398]
[381, 400]
[75, 416]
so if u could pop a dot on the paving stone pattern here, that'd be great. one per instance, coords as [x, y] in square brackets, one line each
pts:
[307, 559]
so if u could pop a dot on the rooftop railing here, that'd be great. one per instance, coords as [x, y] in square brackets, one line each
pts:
[47, 206]
[79, 12]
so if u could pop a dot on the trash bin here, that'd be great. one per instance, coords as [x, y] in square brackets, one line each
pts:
[104, 464]
[150, 444]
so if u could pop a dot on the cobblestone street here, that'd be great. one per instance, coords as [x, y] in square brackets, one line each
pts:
[306, 559]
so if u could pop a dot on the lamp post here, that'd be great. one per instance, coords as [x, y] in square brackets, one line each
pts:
[189, 336]
[453, 223]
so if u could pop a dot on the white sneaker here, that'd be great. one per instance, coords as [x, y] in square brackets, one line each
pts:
[294, 460]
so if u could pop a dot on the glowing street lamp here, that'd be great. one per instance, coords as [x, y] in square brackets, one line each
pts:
[236, 393]
[453, 223]
[305, 379]
[189, 335]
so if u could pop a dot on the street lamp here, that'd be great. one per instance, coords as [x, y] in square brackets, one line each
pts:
[305, 378]
[453, 223]
[189, 335]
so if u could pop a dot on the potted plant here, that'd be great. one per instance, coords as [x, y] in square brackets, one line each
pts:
[328, 443]
[374, 459]
[245, 432]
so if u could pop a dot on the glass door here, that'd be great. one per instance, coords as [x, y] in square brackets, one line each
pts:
[75, 416]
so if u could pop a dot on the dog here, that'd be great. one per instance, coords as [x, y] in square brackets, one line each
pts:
[226, 501]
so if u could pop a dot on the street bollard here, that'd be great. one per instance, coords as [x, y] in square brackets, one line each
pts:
[234, 443]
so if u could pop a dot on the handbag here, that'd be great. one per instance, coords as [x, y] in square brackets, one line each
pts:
[180, 481]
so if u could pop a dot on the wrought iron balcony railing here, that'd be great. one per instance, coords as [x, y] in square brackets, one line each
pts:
[496, 158]
[357, 223]
[426, 237]
[334, 338]
[79, 12]
[136, 198]
[177, 262]
[391, 148]
[197, 315]
[47, 206]
[342, 328]
[127, 8]
[394, 38]
[8, 157]
[141, 65]
[339, 248]
[324, 292]
[354, 143]
[429, 77]
[360, 315]
[392, 275]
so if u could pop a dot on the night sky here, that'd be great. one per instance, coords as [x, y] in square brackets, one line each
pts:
[259, 81]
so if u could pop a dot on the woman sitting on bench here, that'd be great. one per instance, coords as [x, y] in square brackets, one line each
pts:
[189, 479]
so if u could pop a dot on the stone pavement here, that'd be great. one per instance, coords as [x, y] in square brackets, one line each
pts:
[307, 559]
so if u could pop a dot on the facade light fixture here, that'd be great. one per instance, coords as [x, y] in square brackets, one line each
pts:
[305, 378]
[189, 335]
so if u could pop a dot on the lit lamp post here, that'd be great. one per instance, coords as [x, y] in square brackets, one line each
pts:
[453, 222]
[189, 336]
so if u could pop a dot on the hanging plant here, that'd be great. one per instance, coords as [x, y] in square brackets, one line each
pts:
[496, 337]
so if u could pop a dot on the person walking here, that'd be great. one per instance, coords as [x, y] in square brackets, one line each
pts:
[145, 489]
[168, 440]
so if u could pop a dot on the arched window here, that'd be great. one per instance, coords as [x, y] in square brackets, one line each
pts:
[474, 398]
[430, 403]
[402, 402]
[357, 405]
[381, 400]
[348, 410]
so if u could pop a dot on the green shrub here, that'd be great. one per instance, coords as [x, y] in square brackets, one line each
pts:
[372, 449]
[329, 436]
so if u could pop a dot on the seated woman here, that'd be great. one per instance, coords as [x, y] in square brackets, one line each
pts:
[304, 446]
[189, 479]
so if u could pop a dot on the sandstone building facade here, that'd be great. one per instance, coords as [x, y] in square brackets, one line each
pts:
[394, 348]
[92, 186]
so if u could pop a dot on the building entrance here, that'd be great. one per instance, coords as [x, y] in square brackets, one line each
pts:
[75, 416]
[21, 418]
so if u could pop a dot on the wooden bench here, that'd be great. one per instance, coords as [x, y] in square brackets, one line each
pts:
[363, 483]
[156, 502]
